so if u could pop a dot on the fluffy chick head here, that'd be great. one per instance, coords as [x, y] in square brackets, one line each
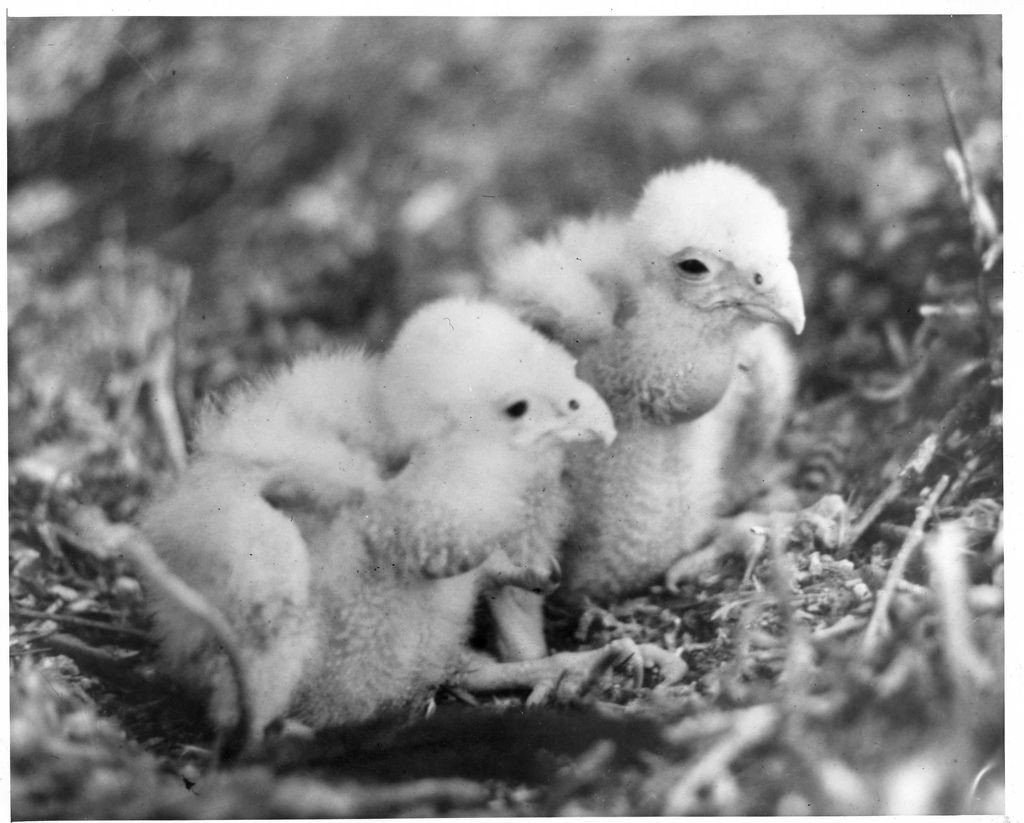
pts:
[721, 240]
[468, 365]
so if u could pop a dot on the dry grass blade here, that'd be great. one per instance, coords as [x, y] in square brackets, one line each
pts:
[160, 371]
[750, 728]
[847, 624]
[700, 727]
[914, 467]
[587, 769]
[105, 665]
[992, 254]
[878, 629]
[897, 389]
[987, 238]
[160, 378]
[968, 470]
[982, 216]
[302, 797]
[946, 554]
[72, 620]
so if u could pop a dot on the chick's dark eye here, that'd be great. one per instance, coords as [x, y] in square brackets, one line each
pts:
[517, 409]
[691, 266]
[758, 279]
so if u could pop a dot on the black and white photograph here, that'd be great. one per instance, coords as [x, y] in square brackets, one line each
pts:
[505, 416]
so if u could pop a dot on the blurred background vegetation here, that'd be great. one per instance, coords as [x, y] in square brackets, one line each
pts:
[303, 182]
[322, 176]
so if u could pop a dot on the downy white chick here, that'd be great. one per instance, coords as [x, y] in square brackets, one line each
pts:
[666, 310]
[344, 515]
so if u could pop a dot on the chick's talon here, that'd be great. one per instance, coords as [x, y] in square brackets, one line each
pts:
[620, 653]
[692, 566]
[575, 674]
[671, 667]
[594, 615]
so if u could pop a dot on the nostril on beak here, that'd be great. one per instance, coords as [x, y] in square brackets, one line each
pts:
[574, 404]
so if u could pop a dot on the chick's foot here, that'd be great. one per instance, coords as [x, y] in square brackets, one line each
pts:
[671, 668]
[564, 675]
[823, 525]
[567, 675]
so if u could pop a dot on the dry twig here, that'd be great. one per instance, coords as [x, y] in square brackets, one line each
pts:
[913, 468]
[588, 769]
[983, 220]
[899, 387]
[987, 238]
[700, 727]
[968, 470]
[847, 624]
[100, 663]
[945, 552]
[305, 797]
[160, 368]
[749, 728]
[878, 627]
[73, 620]
[160, 373]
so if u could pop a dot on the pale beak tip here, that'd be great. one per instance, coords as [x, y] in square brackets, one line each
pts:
[606, 430]
[594, 420]
[790, 298]
[603, 431]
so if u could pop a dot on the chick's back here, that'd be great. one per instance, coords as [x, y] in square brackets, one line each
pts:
[249, 561]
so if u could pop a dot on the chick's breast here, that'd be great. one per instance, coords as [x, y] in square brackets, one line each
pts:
[385, 640]
[643, 502]
[547, 511]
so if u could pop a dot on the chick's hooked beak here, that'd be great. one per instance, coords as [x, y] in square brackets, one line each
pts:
[579, 416]
[773, 295]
